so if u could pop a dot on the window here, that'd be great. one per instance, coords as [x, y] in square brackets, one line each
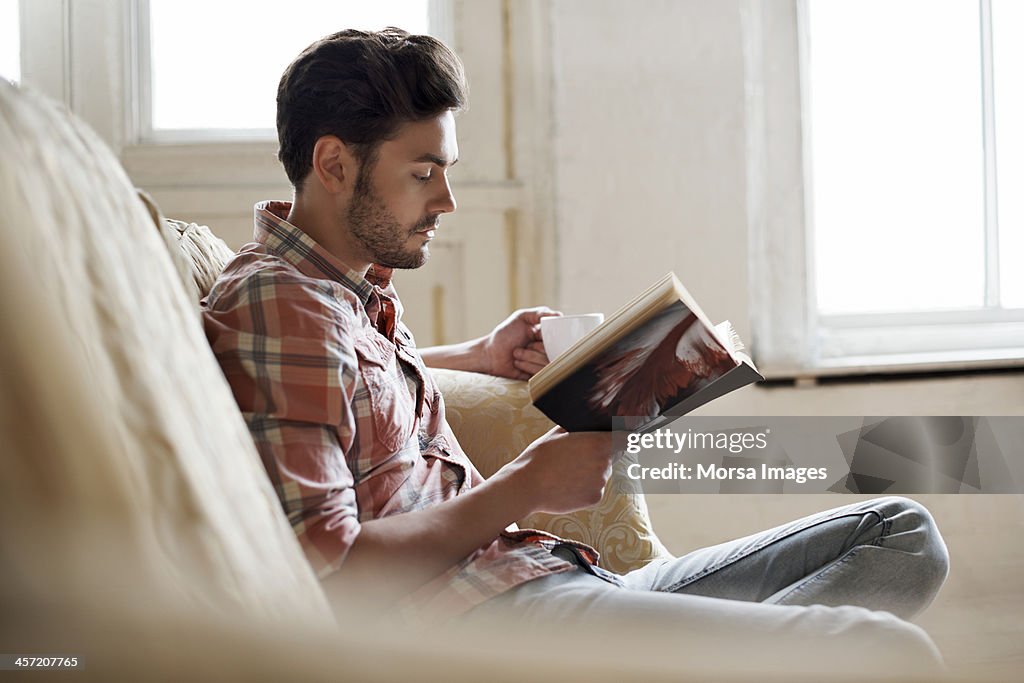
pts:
[208, 52]
[10, 41]
[897, 155]
[1007, 58]
[886, 149]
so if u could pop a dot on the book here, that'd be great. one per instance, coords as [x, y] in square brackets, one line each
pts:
[655, 359]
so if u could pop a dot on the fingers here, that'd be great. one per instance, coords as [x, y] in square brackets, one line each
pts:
[530, 359]
[533, 315]
[534, 352]
[527, 370]
[538, 347]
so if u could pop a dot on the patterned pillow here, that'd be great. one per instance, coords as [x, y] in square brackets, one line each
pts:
[206, 253]
[494, 421]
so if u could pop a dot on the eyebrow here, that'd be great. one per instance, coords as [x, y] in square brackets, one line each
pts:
[434, 159]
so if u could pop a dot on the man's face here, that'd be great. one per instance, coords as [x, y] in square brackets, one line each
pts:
[396, 206]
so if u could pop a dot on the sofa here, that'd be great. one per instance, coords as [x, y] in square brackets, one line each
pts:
[139, 531]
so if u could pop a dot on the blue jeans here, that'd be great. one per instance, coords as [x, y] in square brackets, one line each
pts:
[842, 578]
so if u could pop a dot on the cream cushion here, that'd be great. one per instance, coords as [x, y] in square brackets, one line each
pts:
[204, 252]
[123, 446]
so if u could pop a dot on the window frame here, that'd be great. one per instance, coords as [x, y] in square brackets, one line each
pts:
[141, 101]
[790, 337]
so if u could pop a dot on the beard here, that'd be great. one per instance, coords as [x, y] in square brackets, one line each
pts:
[380, 233]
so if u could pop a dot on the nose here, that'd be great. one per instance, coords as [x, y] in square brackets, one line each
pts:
[445, 201]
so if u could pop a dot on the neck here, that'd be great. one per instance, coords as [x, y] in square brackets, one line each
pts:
[318, 220]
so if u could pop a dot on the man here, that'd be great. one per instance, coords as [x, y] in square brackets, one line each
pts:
[352, 431]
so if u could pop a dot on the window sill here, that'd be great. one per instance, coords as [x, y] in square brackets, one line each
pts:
[935, 362]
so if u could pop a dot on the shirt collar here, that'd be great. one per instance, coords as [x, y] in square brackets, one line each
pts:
[280, 237]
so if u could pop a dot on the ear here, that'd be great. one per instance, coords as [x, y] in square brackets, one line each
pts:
[334, 165]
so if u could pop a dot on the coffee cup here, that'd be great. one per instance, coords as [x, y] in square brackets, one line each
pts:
[562, 331]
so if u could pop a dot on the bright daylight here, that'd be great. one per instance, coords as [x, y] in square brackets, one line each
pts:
[224, 74]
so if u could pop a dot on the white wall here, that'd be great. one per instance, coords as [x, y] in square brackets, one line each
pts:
[651, 175]
[649, 151]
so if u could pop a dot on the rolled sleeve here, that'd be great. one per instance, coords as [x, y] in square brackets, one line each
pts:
[315, 487]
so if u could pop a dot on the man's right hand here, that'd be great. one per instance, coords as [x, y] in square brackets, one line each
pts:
[560, 471]
[394, 555]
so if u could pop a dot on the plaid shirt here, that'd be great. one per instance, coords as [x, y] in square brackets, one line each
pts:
[348, 421]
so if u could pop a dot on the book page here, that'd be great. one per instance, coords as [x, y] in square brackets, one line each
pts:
[727, 335]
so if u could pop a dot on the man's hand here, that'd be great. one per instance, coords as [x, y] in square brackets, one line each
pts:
[395, 554]
[515, 348]
[560, 471]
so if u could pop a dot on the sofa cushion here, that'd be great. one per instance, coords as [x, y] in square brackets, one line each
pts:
[182, 264]
[204, 252]
[495, 421]
[118, 427]
[199, 256]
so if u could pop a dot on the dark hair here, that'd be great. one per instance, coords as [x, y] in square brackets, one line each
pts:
[362, 86]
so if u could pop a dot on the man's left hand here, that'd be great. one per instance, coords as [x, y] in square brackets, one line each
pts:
[515, 348]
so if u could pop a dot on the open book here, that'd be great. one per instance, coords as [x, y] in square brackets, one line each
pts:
[656, 358]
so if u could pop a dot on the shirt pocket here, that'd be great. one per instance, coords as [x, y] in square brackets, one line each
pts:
[430, 401]
[391, 405]
[457, 464]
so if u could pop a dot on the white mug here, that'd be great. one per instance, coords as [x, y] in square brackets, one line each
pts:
[561, 332]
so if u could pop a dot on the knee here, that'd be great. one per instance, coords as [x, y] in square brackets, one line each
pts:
[913, 529]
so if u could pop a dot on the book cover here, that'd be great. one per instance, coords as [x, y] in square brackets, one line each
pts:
[657, 358]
